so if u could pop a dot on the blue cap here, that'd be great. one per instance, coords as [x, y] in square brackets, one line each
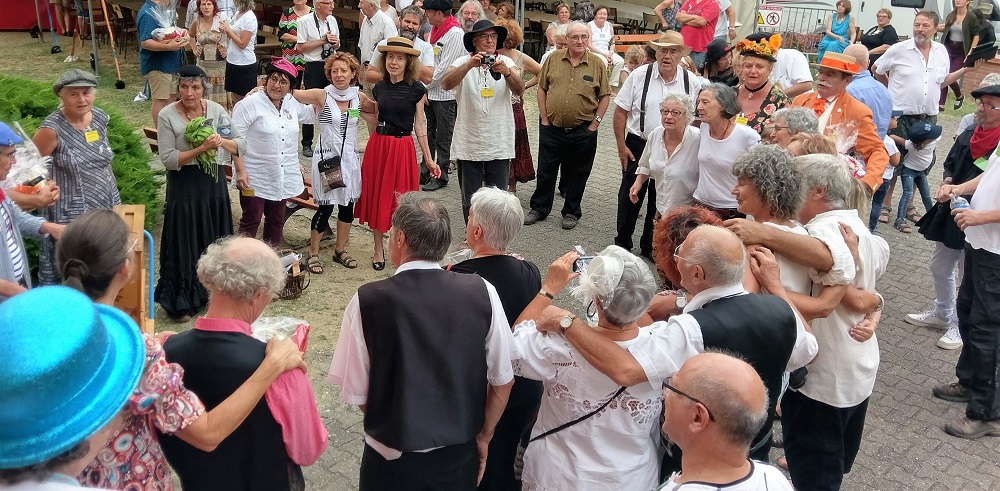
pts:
[68, 367]
[7, 136]
[923, 131]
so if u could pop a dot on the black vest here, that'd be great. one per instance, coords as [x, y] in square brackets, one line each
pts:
[253, 457]
[760, 328]
[427, 381]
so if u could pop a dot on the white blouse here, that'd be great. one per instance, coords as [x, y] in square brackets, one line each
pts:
[272, 156]
[245, 23]
[676, 175]
[600, 38]
[716, 157]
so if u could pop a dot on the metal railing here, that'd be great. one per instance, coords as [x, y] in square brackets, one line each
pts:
[801, 28]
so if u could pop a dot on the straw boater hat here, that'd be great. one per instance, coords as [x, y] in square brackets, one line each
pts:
[671, 39]
[839, 62]
[399, 45]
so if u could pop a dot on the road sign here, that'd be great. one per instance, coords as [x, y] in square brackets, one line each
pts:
[769, 16]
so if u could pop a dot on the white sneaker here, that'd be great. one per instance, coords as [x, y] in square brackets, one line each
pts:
[140, 97]
[928, 318]
[951, 339]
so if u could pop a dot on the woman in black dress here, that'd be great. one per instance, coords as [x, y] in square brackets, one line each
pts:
[879, 38]
[197, 208]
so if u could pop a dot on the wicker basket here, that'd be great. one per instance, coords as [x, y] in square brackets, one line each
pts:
[296, 279]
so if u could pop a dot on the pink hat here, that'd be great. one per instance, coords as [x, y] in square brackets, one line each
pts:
[279, 64]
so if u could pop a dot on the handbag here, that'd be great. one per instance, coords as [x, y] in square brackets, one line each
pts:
[330, 169]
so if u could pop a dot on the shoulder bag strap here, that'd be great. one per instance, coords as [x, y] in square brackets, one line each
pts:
[581, 418]
[642, 102]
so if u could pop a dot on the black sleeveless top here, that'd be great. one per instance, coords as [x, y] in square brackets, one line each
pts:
[397, 103]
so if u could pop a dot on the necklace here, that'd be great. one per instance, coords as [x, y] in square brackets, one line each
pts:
[751, 92]
[186, 111]
[615, 329]
[729, 123]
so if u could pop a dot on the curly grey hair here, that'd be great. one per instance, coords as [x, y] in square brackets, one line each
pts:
[240, 272]
[425, 224]
[684, 101]
[772, 172]
[822, 171]
[500, 215]
[726, 96]
[798, 119]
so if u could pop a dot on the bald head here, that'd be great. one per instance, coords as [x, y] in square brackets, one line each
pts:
[732, 390]
[719, 252]
[859, 52]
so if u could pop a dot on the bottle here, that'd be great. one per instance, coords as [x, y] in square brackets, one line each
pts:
[958, 202]
[225, 130]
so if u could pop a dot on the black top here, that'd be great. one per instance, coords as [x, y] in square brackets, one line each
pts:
[873, 39]
[397, 103]
[938, 224]
[517, 281]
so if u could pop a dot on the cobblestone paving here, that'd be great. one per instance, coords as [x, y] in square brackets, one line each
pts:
[904, 446]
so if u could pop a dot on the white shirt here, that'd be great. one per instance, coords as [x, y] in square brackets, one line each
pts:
[374, 29]
[914, 83]
[986, 197]
[629, 96]
[762, 477]
[600, 38]
[891, 149]
[676, 175]
[402, 4]
[794, 276]
[272, 156]
[722, 26]
[715, 158]
[351, 364]
[617, 448]
[967, 122]
[426, 51]
[236, 56]
[484, 126]
[449, 48]
[919, 159]
[843, 375]
[791, 67]
[311, 28]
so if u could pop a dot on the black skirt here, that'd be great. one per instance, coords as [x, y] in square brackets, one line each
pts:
[196, 213]
[241, 79]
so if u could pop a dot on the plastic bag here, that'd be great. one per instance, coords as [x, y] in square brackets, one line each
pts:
[166, 17]
[29, 173]
[265, 328]
[845, 137]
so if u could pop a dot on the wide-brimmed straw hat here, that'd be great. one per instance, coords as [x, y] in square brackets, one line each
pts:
[839, 62]
[480, 26]
[671, 39]
[399, 45]
[67, 369]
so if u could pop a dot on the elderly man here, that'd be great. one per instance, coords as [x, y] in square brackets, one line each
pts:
[284, 431]
[698, 19]
[431, 395]
[721, 314]
[824, 419]
[836, 108]
[410, 21]
[790, 121]
[573, 95]
[869, 91]
[711, 409]
[471, 12]
[978, 303]
[483, 82]
[158, 60]
[318, 36]
[637, 112]
[448, 41]
[791, 69]
[376, 27]
[14, 274]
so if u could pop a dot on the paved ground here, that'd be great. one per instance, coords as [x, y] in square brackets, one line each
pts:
[904, 446]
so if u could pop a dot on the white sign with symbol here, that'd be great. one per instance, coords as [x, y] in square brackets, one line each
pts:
[769, 16]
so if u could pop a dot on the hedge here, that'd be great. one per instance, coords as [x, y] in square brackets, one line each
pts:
[29, 102]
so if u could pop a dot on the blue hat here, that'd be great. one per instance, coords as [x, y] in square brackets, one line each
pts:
[923, 131]
[68, 367]
[7, 136]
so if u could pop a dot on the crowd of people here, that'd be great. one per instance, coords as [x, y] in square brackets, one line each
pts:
[754, 294]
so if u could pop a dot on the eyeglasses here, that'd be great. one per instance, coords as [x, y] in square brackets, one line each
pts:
[671, 112]
[675, 390]
[492, 36]
[989, 107]
[779, 128]
[9, 154]
[279, 81]
[581, 37]
[677, 255]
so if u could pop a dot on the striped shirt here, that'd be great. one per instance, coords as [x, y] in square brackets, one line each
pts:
[14, 224]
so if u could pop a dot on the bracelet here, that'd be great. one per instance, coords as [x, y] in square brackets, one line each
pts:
[546, 294]
[881, 302]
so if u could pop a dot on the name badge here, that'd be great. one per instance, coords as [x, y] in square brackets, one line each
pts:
[741, 119]
[437, 51]
[486, 92]
[91, 136]
[353, 113]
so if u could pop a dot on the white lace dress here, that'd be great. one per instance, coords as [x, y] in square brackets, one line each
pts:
[616, 449]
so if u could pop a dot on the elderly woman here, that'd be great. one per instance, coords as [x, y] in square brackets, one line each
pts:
[197, 209]
[602, 42]
[614, 445]
[241, 60]
[671, 155]
[791, 121]
[495, 220]
[722, 140]
[759, 97]
[76, 137]
[95, 257]
[562, 16]
[879, 38]
[840, 31]
[269, 119]
[284, 431]
[559, 36]
[205, 32]
[522, 168]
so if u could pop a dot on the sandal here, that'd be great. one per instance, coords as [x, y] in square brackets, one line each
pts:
[883, 216]
[903, 227]
[378, 265]
[912, 215]
[313, 264]
[341, 257]
[958, 102]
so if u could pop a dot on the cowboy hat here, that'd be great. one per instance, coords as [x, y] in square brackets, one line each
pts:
[671, 39]
[481, 26]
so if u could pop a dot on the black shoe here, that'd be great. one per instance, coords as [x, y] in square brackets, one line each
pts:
[433, 185]
[953, 392]
[532, 217]
[958, 102]
[424, 179]
[569, 222]
[307, 150]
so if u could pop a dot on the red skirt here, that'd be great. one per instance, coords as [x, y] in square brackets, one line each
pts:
[388, 170]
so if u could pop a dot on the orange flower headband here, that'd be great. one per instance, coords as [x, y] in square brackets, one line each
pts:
[765, 47]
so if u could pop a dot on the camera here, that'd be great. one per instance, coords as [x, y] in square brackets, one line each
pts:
[327, 51]
[489, 60]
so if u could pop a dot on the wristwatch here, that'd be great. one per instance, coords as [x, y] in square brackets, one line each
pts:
[565, 322]
[598, 119]
[681, 301]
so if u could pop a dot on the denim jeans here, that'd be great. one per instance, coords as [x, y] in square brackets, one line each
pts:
[908, 177]
[877, 199]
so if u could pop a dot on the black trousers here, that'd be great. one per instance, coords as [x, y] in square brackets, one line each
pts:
[821, 441]
[570, 151]
[514, 427]
[313, 77]
[978, 307]
[454, 467]
[440, 128]
[473, 173]
[628, 212]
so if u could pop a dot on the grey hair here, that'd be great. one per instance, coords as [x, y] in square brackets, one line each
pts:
[241, 274]
[630, 298]
[374, 3]
[205, 84]
[718, 270]
[682, 99]
[244, 5]
[798, 119]
[425, 224]
[479, 8]
[726, 96]
[413, 10]
[822, 171]
[738, 422]
[577, 23]
[990, 79]
[773, 173]
[500, 215]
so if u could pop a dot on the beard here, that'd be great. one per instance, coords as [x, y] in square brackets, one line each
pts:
[467, 24]
[919, 39]
[407, 33]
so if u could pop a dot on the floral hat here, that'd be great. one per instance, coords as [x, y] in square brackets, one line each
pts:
[761, 47]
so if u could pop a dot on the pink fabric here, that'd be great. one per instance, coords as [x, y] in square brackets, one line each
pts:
[290, 399]
[699, 37]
